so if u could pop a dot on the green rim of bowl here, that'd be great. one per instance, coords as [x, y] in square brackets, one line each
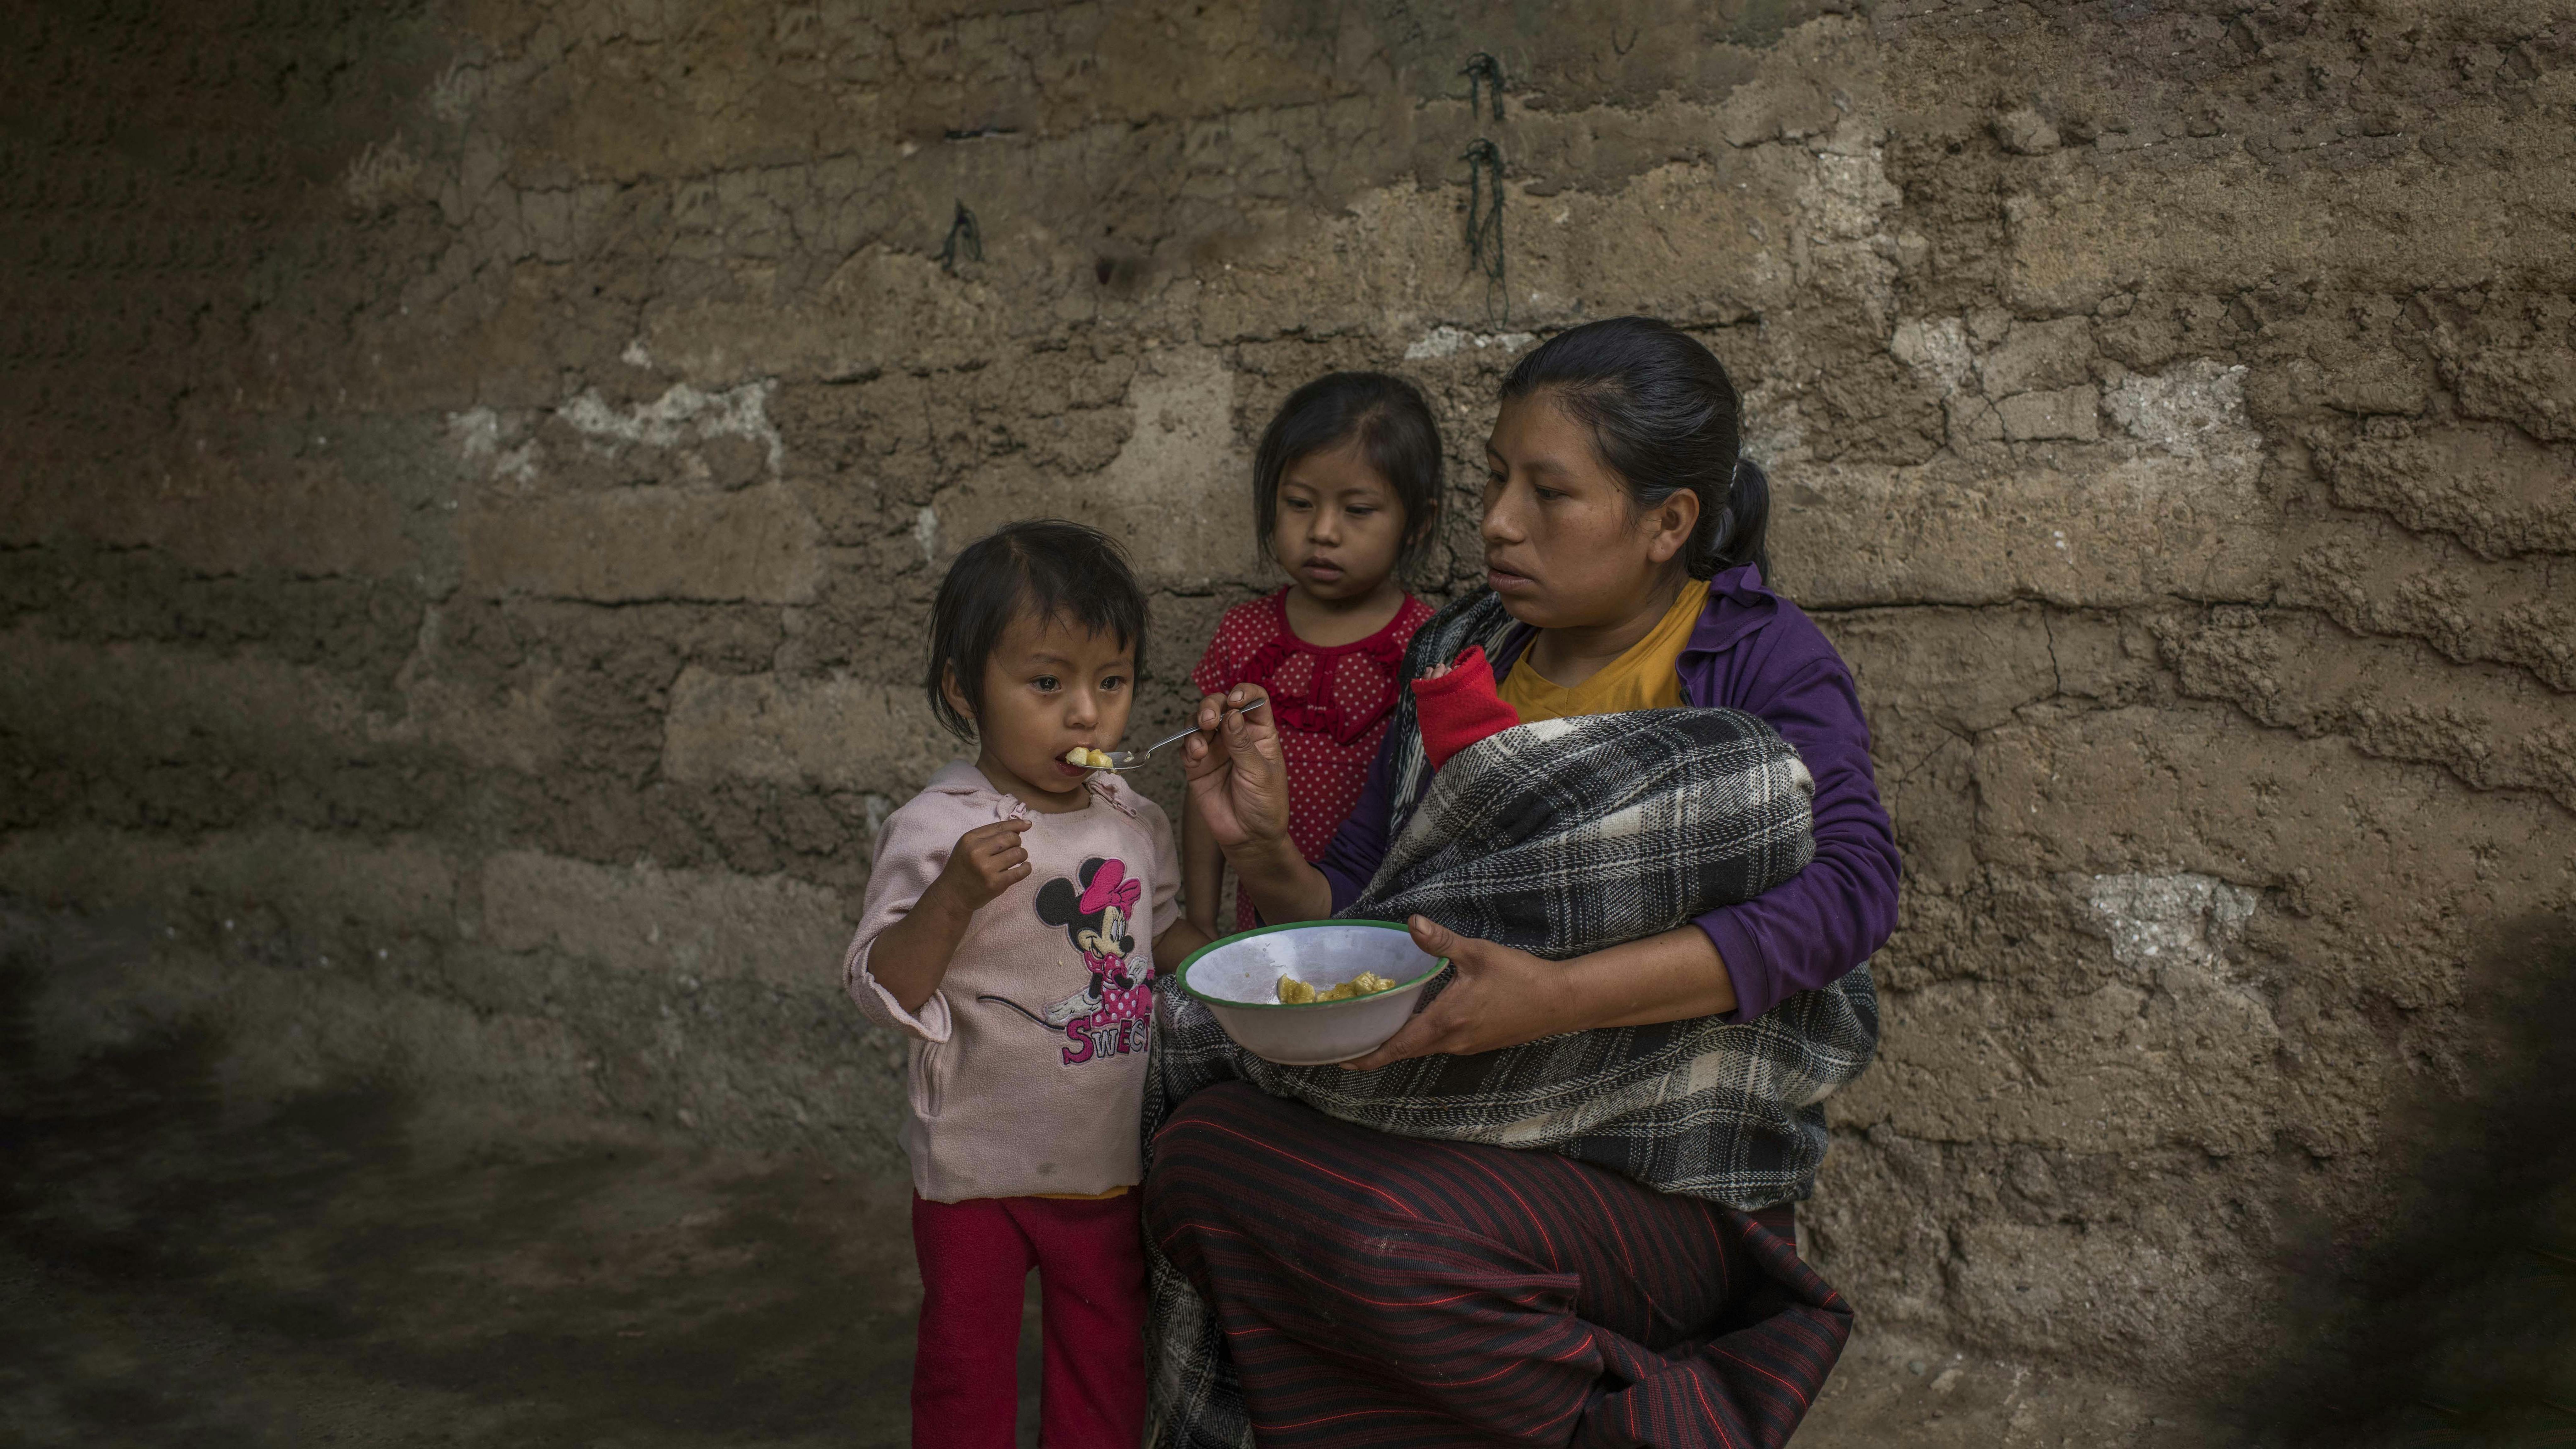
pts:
[1183, 974]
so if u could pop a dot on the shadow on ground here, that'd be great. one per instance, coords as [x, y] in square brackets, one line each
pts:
[2454, 1322]
[174, 1272]
[178, 1268]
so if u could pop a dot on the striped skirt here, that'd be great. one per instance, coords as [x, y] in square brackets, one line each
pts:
[1378, 1290]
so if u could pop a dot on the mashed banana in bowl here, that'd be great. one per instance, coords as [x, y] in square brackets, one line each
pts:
[1238, 981]
[1293, 992]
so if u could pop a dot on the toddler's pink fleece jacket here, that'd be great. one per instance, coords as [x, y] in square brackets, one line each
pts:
[1027, 1069]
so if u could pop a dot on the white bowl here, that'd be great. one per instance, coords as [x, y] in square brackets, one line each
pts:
[1238, 978]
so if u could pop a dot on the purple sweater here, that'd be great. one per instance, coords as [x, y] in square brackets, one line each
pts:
[1754, 651]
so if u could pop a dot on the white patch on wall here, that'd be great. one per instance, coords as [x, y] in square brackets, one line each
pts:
[476, 435]
[1843, 205]
[453, 95]
[2160, 921]
[925, 531]
[1450, 341]
[1774, 430]
[635, 355]
[1937, 347]
[877, 808]
[476, 432]
[2193, 409]
[1849, 192]
[682, 414]
[382, 174]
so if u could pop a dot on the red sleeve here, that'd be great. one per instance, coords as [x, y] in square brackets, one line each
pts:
[1460, 707]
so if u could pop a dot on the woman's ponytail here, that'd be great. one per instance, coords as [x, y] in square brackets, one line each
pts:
[1665, 418]
[1745, 522]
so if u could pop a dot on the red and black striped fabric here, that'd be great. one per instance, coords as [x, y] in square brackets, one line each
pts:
[1377, 1290]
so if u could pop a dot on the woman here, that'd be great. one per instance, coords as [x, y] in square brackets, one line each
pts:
[1634, 1281]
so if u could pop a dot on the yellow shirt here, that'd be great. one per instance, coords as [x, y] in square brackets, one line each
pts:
[1647, 676]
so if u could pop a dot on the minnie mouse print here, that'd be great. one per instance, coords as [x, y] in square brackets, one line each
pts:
[1111, 1014]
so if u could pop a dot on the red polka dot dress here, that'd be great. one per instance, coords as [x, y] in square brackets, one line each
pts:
[1330, 705]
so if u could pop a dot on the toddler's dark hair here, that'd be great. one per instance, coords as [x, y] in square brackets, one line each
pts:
[1391, 423]
[1044, 566]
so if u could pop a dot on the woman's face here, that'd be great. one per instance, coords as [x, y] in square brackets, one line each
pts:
[1565, 547]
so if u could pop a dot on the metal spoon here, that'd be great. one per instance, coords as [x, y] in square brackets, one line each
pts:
[1121, 761]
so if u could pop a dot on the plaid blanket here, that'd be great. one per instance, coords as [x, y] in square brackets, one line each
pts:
[1557, 838]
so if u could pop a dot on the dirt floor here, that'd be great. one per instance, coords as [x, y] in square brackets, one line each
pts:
[174, 1273]
[174, 1270]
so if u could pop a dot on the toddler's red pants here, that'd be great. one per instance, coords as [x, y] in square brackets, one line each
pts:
[975, 1260]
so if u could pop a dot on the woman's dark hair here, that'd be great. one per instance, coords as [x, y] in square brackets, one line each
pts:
[1389, 420]
[1045, 567]
[1664, 417]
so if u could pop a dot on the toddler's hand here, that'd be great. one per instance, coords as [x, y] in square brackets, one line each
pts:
[988, 860]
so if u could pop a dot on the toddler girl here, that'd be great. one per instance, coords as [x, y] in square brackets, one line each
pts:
[1345, 487]
[1001, 933]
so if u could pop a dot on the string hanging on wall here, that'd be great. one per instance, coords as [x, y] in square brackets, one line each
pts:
[963, 236]
[1484, 76]
[1485, 224]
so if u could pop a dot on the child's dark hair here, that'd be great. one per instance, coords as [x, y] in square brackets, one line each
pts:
[1385, 415]
[1046, 567]
[1665, 418]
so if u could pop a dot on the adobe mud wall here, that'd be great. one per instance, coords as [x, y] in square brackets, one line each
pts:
[475, 472]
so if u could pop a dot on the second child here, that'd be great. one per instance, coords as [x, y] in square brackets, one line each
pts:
[1016, 914]
[1345, 489]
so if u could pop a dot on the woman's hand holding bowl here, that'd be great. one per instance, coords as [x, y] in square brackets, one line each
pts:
[1239, 786]
[1501, 998]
